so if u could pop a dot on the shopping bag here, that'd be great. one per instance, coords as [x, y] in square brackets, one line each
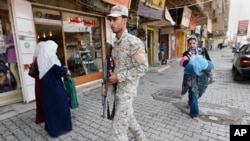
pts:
[71, 91]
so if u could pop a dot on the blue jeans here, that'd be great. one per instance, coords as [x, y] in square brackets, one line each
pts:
[193, 103]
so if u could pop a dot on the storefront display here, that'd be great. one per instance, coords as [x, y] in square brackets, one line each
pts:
[83, 46]
[9, 74]
[82, 52]
[77, 33]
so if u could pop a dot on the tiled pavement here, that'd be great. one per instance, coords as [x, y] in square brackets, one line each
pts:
[161, 120]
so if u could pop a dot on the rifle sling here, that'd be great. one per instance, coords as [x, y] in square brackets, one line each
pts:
[111, 116]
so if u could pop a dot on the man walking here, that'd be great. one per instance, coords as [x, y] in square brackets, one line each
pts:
[130, 64]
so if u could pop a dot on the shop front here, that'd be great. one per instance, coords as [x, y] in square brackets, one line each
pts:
[10, 83]
[79, 35]
[151, 12]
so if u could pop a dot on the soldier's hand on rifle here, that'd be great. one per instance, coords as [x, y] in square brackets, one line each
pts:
[113, 78]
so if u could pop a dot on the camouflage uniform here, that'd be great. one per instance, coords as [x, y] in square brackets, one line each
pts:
[130, 64]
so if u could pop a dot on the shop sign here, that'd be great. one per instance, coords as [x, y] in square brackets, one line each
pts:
[81, 20]
[169, 17]
[209, 25]
[197, 29]
[167, 30]
[155, 4]
[118, 2]
[242, 27]
[204, 32]
[187, 12]
[145, 11]
[193, 22]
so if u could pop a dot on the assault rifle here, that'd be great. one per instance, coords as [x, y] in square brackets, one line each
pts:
[108, 67]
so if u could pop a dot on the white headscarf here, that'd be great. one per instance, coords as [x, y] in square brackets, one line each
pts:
[47, 57]
[38, 48]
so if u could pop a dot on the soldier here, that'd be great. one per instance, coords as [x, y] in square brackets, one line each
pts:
[130, 64]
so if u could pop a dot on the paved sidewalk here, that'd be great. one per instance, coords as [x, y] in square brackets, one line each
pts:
[161, 120]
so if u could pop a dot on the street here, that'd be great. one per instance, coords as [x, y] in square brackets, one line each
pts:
[225, 102]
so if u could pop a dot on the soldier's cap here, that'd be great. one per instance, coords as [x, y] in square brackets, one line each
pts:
[118, 10]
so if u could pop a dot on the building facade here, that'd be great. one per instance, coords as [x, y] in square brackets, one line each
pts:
[81, 30]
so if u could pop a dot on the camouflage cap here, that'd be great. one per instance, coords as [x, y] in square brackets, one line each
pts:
[118, 10]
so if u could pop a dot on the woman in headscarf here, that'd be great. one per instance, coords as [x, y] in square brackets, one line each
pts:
[193, 84]
[39, 107]
[56, 108]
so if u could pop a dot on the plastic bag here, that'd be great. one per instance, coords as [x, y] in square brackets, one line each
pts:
[71, 91]
[193, 67]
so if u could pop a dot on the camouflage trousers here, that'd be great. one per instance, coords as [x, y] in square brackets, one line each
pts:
[124, 119]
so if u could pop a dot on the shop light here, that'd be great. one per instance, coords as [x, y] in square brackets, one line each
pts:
[44, 35]
[50, 34]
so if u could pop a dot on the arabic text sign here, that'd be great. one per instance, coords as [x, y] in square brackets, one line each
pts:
[242, 27]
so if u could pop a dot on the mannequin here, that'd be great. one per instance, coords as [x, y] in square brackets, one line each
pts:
[2, 47]
[11, 59]
[4, 82]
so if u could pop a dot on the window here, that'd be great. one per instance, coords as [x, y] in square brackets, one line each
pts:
[83, 44]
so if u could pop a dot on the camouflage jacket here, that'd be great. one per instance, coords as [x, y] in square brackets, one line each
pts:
[130, 59]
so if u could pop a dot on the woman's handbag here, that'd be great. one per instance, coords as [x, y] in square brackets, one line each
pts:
[32, 71]
[71, 91]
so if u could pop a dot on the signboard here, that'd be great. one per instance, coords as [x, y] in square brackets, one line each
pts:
[186, 15]
[169, 17]
[193, 22]
[167, 30]
[155, 4]
[145, 11]
[197, 29]
[209, 25]
[118, 2]
[242, 27]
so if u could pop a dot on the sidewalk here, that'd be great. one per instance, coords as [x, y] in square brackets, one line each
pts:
[161, 119]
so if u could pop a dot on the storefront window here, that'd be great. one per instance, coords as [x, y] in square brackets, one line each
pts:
[9, 74]
[83, 44]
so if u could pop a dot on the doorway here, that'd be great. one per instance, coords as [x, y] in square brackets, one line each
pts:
[150, 46]
[51, 32]
[165, 38]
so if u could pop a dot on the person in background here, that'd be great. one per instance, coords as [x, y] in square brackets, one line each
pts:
[162, 51]
[39, 106]
[195, 85]
[220, 46]
[57, 115]
[130, 65]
